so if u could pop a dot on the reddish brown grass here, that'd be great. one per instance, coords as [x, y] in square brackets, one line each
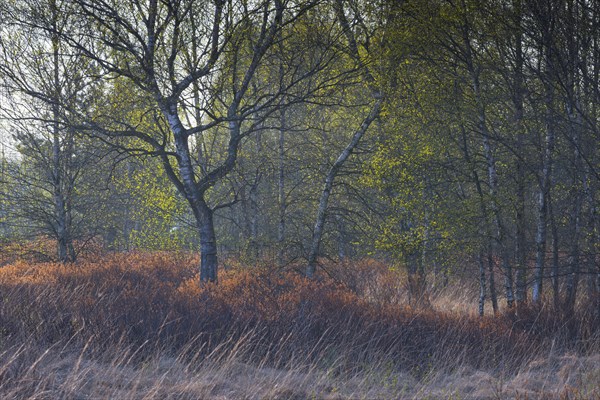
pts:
[152, 302]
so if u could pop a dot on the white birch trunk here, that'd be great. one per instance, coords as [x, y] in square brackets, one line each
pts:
[356, 137]
[328, 186]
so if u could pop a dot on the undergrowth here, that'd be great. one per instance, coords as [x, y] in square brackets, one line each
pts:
[129, 310]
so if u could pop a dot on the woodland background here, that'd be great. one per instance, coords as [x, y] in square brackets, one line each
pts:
[370, 199]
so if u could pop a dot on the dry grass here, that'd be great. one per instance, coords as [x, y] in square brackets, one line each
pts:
[138, 326]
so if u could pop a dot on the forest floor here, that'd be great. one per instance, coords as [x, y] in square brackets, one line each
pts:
[139, 326]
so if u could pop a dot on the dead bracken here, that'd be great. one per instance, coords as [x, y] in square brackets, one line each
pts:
[138, 325]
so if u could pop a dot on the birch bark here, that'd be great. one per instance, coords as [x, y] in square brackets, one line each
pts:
[354, 141]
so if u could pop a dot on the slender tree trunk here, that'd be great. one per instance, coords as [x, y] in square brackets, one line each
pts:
[490, 161]
[574, 256]
[485, 222]
[254, 199]
[593, 239]
[500, 233]
[5, 231]
[540, 246]
[246, 231]
[197, 112]
[319, 224]
[253, 246]
[417, 284]
[328, 186]
[281, 191]
[59, 202]
[545, 178]
[575, 122]
[500, 230]
[520, 242]
[377, 96]
[71, 254]
[64, 245]
[69, 192]
[248, 200]
[341, 229]
[492, 273]
[482, 284]
[555, 257]
[518, 94]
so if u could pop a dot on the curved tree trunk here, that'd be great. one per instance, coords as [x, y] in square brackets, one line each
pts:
[328, 186]
[358, 134]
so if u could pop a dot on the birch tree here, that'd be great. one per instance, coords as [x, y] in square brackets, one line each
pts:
[146, 45]
[42, 77]
[352, 48]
